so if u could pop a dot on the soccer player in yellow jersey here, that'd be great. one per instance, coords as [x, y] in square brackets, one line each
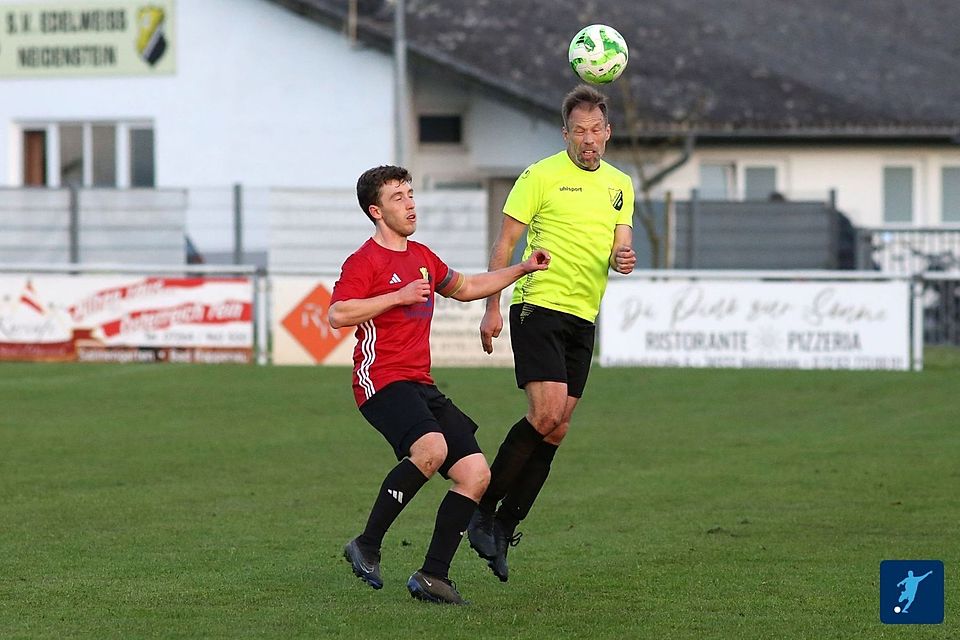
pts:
[579, 208]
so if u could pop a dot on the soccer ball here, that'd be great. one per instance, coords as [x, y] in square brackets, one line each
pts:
[598, 54]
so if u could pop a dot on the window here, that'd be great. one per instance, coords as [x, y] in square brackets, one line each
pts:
[759, 183]
[104, 155]
[141, 158]
[898, 194]
[740, 179]
[717, 181]
[71, 155]
[88, 154]
[950, 181]
[34, 158]
[441, 129]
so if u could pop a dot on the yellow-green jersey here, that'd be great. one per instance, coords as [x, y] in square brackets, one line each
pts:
[572, 213]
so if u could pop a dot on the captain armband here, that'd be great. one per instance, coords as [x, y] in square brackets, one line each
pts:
[451, 284]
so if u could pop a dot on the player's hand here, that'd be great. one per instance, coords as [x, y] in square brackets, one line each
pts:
[624, 259]
[416, 292]
[538, 261]
[490, 328]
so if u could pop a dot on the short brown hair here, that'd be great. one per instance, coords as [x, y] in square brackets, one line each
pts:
[584, 95]
[368, 186]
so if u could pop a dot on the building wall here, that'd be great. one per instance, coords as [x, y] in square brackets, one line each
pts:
[498, 139]
[809, 173]
[260, 96]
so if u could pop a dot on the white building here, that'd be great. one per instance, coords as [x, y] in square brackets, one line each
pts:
[300, 93]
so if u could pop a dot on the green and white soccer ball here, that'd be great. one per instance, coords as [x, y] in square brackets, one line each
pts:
[598, 54]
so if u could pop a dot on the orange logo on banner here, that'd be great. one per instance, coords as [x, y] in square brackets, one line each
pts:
[307, 323]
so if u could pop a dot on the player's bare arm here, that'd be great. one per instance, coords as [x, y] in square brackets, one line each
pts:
[622, 256]
[482, 285]
[349, 313]
[511, 230]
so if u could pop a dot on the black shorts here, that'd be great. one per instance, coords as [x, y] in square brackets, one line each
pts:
[551, 346]
[404, 411]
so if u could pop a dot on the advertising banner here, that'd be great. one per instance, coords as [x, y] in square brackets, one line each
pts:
[762, 324]
[126, 318]
[301, 334]
[125, 37]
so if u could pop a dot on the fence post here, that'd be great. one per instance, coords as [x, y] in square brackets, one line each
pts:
[834, 223]
[692, 229]
[74, 234]
[916, 290]
[237, 223]
[860, 236]
[262, 324]
[667, 253]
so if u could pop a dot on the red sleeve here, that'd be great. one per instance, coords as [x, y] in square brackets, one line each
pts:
[356, 280]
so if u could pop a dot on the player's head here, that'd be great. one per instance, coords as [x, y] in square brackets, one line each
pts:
[373, 180]
[586, 96]
[586, 128]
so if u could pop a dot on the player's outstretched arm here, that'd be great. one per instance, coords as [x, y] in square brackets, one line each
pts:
[482, 285]
[349, 313]
[491, 324]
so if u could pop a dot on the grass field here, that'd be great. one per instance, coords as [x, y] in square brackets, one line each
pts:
[213, 502]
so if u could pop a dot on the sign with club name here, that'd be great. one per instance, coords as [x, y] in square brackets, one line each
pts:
[756, 324]
[87, 39]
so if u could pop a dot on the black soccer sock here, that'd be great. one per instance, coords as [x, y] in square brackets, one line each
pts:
[516, 449]
[452, 519]
[518, 501]
[397, 490]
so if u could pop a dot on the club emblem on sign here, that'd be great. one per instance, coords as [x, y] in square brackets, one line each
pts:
[151, 41]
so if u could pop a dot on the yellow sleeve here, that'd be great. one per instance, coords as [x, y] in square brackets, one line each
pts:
[524, 199]
[626, 213]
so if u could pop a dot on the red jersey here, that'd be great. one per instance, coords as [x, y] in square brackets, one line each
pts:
[394, 345]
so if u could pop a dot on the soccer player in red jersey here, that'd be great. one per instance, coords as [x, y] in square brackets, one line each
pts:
[386, 290]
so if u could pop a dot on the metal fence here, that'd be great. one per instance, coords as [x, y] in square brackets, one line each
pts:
[932, 255]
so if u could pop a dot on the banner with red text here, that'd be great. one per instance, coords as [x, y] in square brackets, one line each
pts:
[126, 318]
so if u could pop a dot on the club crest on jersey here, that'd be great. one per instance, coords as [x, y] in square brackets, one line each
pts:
[616, 198]
[425, 274]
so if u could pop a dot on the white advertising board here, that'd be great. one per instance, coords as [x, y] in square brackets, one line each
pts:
[107, 318]
[762, 324]
[301, 334]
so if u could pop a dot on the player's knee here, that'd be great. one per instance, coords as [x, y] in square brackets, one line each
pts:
[556, 436]
[429, 452]
[481, 480]
[545, 422]
[473, 479]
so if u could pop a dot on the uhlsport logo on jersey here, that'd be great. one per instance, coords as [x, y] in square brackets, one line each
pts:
[911, 591]
[151, 41]
[616, 198]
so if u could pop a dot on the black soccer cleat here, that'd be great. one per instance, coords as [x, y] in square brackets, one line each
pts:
[434, 589]
[480, 534]
[505, 540]
[365, 566]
